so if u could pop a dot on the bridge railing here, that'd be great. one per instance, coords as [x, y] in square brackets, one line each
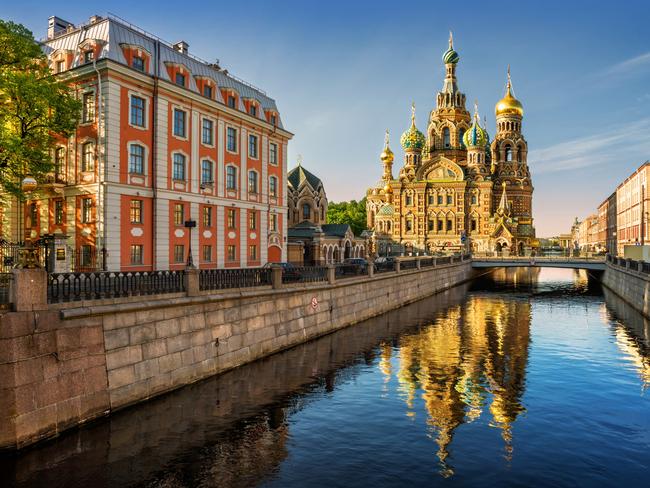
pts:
[631, 264]
[548, 259]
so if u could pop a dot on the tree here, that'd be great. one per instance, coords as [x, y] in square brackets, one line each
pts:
[35, 108]
[352, 213]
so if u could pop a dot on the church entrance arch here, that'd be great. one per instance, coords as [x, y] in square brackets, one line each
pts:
[348, 250]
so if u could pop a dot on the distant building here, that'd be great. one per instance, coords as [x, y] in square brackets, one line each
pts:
[311, 240]
[607, 224]
[632, 209]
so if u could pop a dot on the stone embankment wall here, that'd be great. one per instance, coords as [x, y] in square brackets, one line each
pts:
[75, 362]
[630, 284]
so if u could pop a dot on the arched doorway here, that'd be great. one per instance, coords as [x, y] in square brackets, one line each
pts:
[275, 254]
[348, 250]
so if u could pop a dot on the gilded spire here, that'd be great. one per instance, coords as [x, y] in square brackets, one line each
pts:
[509, 104]
[451, 40]
[412, 114]
[503, 203]
[386, 155]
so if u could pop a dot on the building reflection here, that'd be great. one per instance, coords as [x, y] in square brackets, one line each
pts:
[631, 332]
[468, 363]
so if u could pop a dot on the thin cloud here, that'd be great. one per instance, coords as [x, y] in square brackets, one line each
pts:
[609, 147]
[629, 65]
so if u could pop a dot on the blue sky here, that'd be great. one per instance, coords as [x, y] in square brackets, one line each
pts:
[343, 72]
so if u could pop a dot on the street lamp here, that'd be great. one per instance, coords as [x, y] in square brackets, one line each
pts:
[190, 224]
[28, 256]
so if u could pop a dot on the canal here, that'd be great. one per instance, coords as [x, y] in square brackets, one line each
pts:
[524, 377]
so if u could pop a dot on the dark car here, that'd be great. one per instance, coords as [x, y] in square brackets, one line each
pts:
[355, 266]
[289, 271]
[384, 263]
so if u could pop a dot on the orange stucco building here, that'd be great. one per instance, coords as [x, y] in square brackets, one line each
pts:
[164, 138]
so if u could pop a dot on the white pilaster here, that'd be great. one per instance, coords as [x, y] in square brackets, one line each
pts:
[243, 154]
[264, 236]
[219, 229]
[194, 215]
[162, 157]
[162, 233]
[264, 184]
[113, 229]
[282, 217]
[111, 126]
[221, 175]
[243, 238]
[193, 183]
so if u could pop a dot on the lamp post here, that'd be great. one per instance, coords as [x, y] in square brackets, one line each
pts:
[28, 256]
[190, 224]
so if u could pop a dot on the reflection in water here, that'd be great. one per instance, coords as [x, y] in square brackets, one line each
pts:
[525, 359]
[632, 332]
[472, 357]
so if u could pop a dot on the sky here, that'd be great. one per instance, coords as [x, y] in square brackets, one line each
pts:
[342, 72]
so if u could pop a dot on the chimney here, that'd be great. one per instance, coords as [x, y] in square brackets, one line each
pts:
[182, 47]
[57, 26]
[94, 19]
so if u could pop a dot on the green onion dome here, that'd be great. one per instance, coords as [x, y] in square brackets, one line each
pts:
[475, 136]
[412, 139]
[450, 56]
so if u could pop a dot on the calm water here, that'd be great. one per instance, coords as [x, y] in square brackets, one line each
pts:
[525, 379]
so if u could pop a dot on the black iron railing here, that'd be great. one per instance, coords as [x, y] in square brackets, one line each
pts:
[408, 264]
[220, 279]
[444, 260]
[384, 267]
[345, 270]
[304, 274]
[70, 287]
[634, 265]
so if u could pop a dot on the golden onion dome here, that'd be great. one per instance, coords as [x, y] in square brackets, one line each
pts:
[509, 105]
[388, 188]
[386, 155]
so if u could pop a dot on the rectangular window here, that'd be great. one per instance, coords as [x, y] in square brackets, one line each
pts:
[409, 200]
[207, 134]
[89, 56]
[253, 111]
[252, 146]
[88, 107]
[137, 111]
[273, 119]
[441, 226]
[439, 199]
[273, 186]
[207, 216]
[86, 210]
[179, 253]
[231, 139]
[136, 159]
[474, 200]
[60, 66]
[59, 162]
[231, 101]
[179, 122]
[449, 199]
[179, 214]
[178, 170]
[273, 223]
[207, 178]
[207, 91]
[449, 225]
[138, 63]
[252, 220]
[409, 225]
[273, 153]
[59, 212]
[473, 224]
[86, 255]
[430, 200]
[137, 253]
[430, 225]
[207, 253]
[252, 182]
[231, 178]
[180, 79]
[88, 157]
[252, 252]
[232, 218]
[135, 211]
[232, 252]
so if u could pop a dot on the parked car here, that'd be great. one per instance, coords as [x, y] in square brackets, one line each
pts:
[385, 262]
[355, 266]
[289, 271]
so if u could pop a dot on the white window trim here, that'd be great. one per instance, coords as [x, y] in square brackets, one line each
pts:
[277, 186]
[80, 152]
[257, 146]
[214, 131]
[214, 170]
[147, 101]
[95, 101]
[257, 180]
[187, 123]
[187, 166]
[237, 137]
[225, 177]
[145, 174]
[277, 154]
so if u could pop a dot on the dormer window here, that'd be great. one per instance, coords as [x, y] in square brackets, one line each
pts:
[231, 101]
[180, 79]
[60, 66]
[273, 119]
[207, 91]
[253, 111]
[89, 56]
[138, 63]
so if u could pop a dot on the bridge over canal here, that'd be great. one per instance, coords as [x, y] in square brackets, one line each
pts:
[588, 263]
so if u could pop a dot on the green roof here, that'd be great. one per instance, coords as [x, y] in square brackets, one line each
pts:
[299, 174]
[338, 230]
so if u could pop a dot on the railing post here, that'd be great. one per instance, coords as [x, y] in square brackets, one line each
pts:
[331, 274]
[191, 277]
[276, 277]
[398, 265]
[371, 269]
[639, 266]
[434, 262]
[28, 289]
[627, 263]
[418, 264]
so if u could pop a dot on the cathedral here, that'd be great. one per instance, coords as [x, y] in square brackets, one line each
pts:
[457, 190]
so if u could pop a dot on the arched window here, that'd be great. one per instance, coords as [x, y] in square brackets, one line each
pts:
[252, 181]
[446, 141]
[306, 211]
[461, 134]
[508, 153]
[474, 200]
[273, 186]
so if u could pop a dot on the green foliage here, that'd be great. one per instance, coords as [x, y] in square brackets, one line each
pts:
[35, 107]
[352, 213]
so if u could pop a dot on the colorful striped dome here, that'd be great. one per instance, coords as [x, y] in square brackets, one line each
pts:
[450, 56]
[412, 139]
